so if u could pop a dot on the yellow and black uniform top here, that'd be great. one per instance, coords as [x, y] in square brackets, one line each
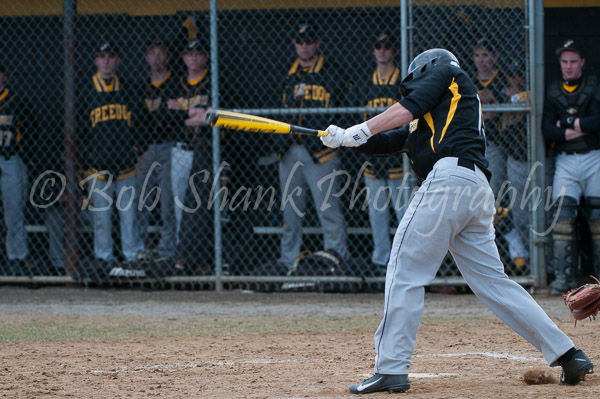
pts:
[111, 136]
[321, 85]
[448, 122]
[495, 84]
[382, 91]
[157, 122]
[576, 99]
[192, 94]
[14, 117]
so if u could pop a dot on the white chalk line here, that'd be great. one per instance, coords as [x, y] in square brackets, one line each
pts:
[187, 365]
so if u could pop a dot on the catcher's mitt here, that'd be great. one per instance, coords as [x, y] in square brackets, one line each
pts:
[584, 301]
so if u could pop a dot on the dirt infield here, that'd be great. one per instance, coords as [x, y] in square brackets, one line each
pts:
[75, 343]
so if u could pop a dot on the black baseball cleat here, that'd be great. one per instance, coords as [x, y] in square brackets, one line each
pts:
[575, 369]
[382, 383]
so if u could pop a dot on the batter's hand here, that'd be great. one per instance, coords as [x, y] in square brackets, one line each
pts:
[334, 138]
[357, 135]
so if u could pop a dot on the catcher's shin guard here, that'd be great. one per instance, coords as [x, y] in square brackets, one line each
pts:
[563, 239]
[594, 223]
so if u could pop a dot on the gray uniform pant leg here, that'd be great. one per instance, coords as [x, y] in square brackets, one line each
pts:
[131, 242]
[54, 220]
[297, 170]
[517, 173]
[453, 210]
[154, 183]
[105, 196]
[576, 175]
[383, 194]
[14, 186]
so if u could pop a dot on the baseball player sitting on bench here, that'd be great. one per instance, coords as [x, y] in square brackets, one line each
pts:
[452, 210]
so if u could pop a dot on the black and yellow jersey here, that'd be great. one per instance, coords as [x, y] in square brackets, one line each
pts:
[157, 123]
[192, 94]
[110, 138]
[448, 122]
[578, 99]
[382, 91]
[495, 84]
[14, 116]
[321, 85]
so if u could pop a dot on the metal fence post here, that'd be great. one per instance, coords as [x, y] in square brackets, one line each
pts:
[214, 67]
[536, 39]
[71, 239]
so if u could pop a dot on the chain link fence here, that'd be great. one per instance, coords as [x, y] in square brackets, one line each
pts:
[110, 180]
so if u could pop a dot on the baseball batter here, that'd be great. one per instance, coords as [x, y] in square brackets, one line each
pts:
[452, 210]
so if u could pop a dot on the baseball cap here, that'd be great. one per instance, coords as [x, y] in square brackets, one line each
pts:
[384, 38]
[486, 44]
[570, 45]
[106, 47]
[195, 45]
[305, 33]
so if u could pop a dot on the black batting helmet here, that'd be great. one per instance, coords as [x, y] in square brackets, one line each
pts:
[424, 62]
[430, 59]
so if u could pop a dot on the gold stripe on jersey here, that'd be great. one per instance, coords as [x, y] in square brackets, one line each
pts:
[160, 82]
[4, 94]
[429, 121]
[453, 104]
[101, 85]
[390, 79]
[8, 101]
[569, 88]
[485, 83]
[325, 155]
[314, 68]
[194, 82]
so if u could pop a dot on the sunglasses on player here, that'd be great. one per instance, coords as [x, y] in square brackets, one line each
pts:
[379, 46]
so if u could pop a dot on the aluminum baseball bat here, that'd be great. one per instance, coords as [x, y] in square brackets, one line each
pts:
[253, 123]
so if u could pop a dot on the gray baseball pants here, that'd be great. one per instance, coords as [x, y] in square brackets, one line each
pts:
[154, 172]
[297, 171]
[14, 187]
[453, 209]
[383, 194]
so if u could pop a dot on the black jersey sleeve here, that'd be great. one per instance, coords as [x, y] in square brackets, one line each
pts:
[591, 123]
[551, 115]
[386, 143]
[425, 91]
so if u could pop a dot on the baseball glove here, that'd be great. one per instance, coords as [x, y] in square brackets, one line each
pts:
[584, 302]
